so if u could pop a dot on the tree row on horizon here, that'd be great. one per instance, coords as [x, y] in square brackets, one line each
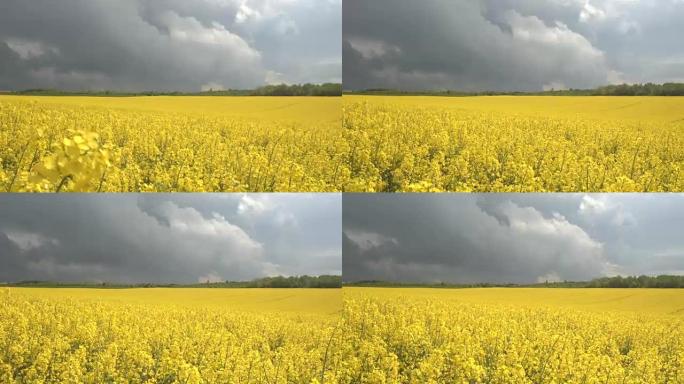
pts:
[307, 89]
[643, 281]
[647, 89]
[303, 281]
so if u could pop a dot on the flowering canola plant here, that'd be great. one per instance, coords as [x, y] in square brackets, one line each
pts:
[61, 337]
[514, 144]
[406, 337]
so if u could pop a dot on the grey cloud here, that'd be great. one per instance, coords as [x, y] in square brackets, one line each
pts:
[172, 45]
[166, 238]
[517, 238]
[511, 45]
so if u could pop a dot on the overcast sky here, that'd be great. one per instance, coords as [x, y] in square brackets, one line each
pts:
[518, 238]
[188, 45]
[182, 238]
[511, 45]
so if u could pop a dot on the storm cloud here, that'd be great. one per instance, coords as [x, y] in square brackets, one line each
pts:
[162, 238]
[510, 45]
[137, 45]
[516, 238]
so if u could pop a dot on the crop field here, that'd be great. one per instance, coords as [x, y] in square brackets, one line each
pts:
[159, 144]
[515, 143]
[514, 335]
[377, 335]
[174, 335]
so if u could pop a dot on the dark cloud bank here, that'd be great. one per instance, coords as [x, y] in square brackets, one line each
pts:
[160, 238]
[186, 45]
[510, 45]
[518, 238]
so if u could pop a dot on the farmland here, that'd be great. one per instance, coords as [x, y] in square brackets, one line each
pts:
[515, 143]
[376, 335]
[165, 143]
[515, 335]
[169, 335]
[303, 144]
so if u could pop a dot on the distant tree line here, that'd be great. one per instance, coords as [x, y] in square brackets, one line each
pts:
[648, 89]
[323, 281]
[660, 281]
[304, 281]
[326, 89]
[397, 284]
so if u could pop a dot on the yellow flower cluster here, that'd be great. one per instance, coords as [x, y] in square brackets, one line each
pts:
[79, 340]
[46, 147]
[75, 161]
[414, 339]
[399, 144]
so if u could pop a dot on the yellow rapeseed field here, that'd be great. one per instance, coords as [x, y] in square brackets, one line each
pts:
[513, 335]
[385, 335]
[176, 335]
[300, 144]
[515, 143]
[160, 144]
